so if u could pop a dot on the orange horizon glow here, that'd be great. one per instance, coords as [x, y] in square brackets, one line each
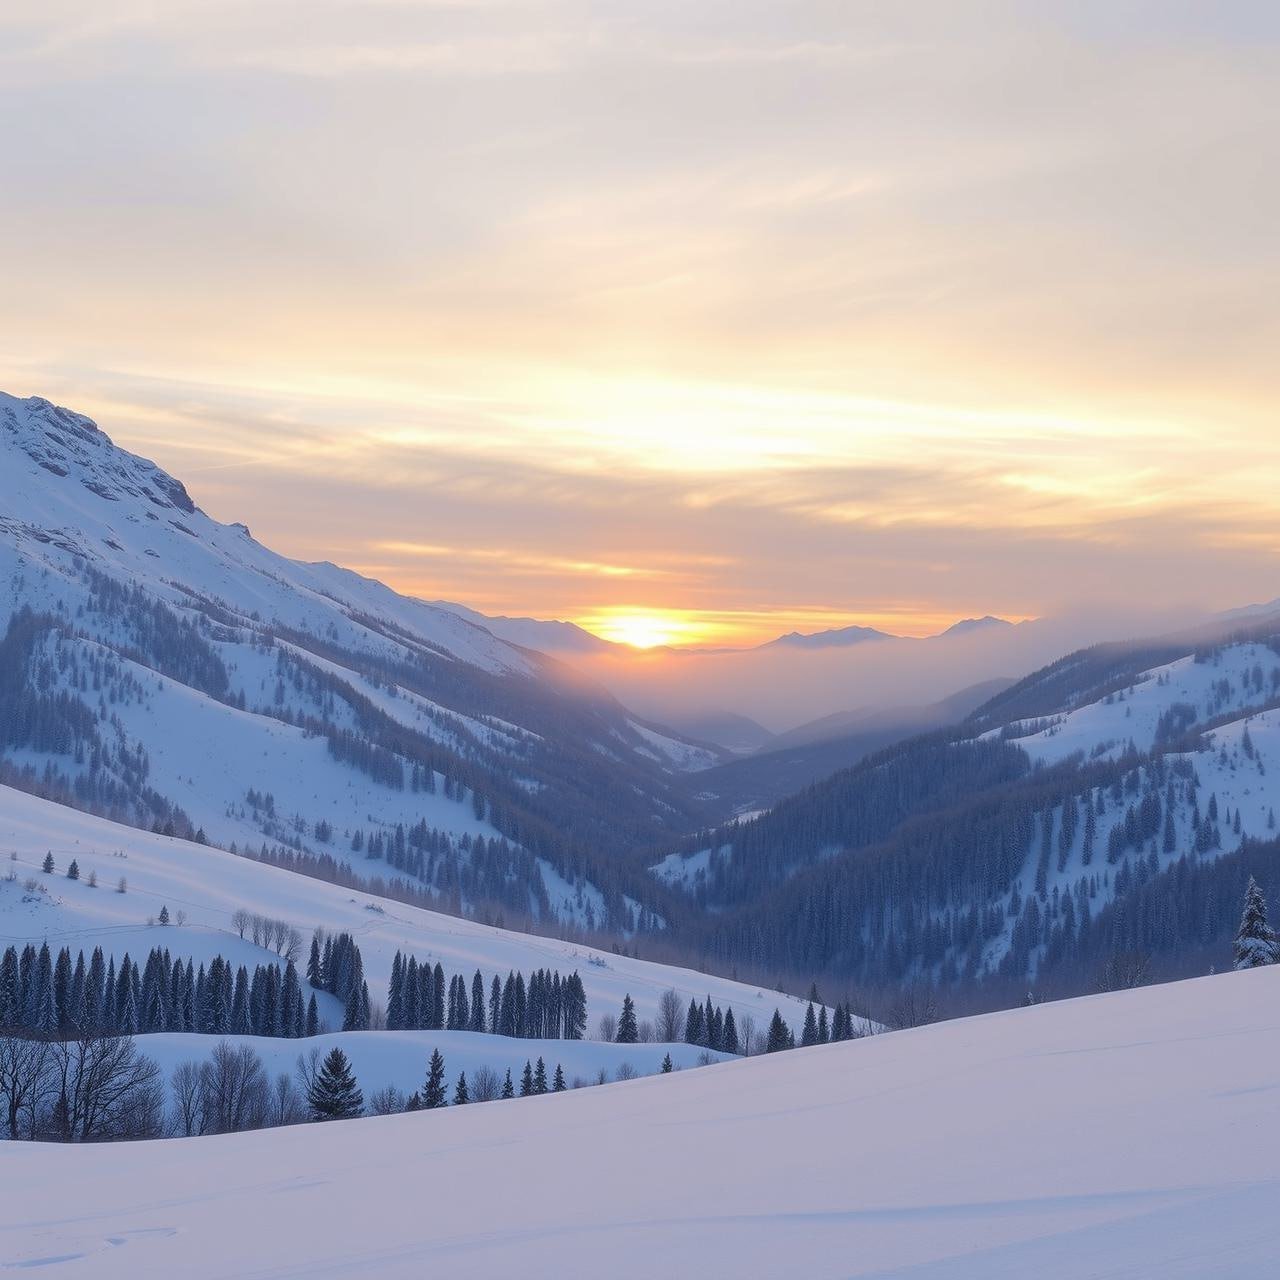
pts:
[644, 628]
[920, 333]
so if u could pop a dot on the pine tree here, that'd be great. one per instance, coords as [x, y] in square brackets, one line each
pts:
[460, 1098]
[557, 1084]
[395, 995]
[810, 1033]
[1255, 942]
[47, 865]
[495, 1006]
[526, 1080]
[729, 1037]
[433, 1092]
[351, 1013]
[73, 871]
[628, 1033]
[508, 1089]
[694, 1031]
[779, 1035]
[667, 1065]
[315, 975]
[164, 914]
[334, 1094]
[540, 1077]
[313, 1017]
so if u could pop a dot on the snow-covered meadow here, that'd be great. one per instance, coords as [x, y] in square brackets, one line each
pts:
[1126, 1135]
[209, 885]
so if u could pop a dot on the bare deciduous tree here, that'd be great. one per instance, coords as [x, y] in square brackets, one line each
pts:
[747, 1034]
[235, 1089]
[917, 1006]
[644, 1031]
[670, 1017]
[186, 1084]
[103, 1089]
[1123, 970]
[387, 1101]
[25, 1081]
[486, 1084]
[287, 1105]
[608, 1027]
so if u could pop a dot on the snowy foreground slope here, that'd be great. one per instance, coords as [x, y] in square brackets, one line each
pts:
[1128, 1135]
[209, 884]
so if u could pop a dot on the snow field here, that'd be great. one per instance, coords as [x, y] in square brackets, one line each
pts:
[210, 884]
[1129, 1135]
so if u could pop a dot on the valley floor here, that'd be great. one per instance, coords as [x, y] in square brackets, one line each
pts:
[1126, 1135]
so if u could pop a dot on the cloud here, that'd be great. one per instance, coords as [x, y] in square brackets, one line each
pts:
[829, 308]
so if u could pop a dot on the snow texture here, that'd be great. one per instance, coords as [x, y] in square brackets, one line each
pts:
[1127, 1135]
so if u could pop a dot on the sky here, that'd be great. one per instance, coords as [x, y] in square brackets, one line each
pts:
[692, 323]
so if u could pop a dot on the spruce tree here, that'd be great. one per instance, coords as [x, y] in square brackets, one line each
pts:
[540, 1077]
[694, 1031]
[460, 1098]
[526, 1079]
[433, 1095]
[779, 1035]
[73, 871]
[313, 1017]
[334, 1094]
[508, 1089]
[47, 865]
[1255, 942]
[351, 1013]
[729, 1037]
[810, 1033]
[395, 995]
[628, 1032]
[557, 1084]
[666, 1064]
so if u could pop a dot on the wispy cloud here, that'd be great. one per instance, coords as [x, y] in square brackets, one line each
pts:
[734, 307]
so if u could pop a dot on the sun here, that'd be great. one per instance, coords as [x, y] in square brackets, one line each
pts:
[642, 630]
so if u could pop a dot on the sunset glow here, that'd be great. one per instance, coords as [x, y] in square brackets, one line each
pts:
[645, 630]
[692, 328]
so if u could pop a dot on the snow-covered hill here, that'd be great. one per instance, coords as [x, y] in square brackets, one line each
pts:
[1125, 1135]
[168, 669]
[208, 885]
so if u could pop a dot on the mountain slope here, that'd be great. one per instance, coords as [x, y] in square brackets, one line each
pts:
[1010, 851]
[169, 670]
[1122, 1135]
[208, 885]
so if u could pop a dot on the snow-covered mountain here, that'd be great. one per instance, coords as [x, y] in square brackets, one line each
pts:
[165, 668]
[1129, 1135]
[1111, 804]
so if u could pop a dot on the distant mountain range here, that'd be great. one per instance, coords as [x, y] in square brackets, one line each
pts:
[567, 638]
[842, 636]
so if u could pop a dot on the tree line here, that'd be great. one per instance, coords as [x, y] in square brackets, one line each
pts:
[548, 1006]
[56, 998]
